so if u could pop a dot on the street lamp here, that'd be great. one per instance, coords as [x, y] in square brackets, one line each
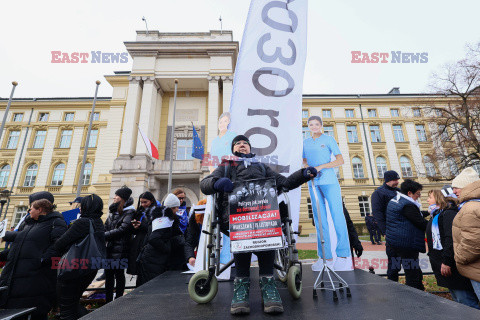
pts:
[4, 197]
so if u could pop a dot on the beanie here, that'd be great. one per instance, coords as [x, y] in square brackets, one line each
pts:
[391, 175]
[171, 201]
[124, 193]
[240, 137]
[41, 195]
[447, 191]
[467, 176]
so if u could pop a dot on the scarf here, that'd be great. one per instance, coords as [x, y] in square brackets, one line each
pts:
[437, 244]
[247, 159]
[461, 204]
[418, 204]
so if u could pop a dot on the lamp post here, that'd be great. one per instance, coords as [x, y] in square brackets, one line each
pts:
[4, 197]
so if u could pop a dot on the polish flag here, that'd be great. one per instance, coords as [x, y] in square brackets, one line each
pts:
[152, 150]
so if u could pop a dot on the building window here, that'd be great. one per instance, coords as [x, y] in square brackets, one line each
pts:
[65, 139]
[20, 212]
[398, 133]
[58, 174]
[357, 168]
[406, 167]
[13, 139]
[327, 113]
[69, 116]
[31, 176]
[87, 173]
[421, 134]
[184, 149]
[39, 141]
[375, 133]
[417, 113]
[372, 113]
[92, 142]
[364, 205]
[394, 113]
[96, 116]
[349, 113]
[4, 173]
[381, 166]
[306, 133]
[304, 114]
[328, 130]
[429, 167]
[443, 132]
[452, 165]
[17, 117]
[43, 116]
[352, 134]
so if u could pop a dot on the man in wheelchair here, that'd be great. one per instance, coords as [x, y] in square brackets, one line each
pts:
[247, 167]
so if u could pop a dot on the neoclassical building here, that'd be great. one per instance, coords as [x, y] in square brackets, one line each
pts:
[375, 132]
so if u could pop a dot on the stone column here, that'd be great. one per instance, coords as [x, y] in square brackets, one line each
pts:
[132, 111]
[146, 120]
[213, 96]
[227, 92]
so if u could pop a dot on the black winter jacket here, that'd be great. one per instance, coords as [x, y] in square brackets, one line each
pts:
[192, 238]
[28, 273]
[118, 231]
[238, 172]
[139, 236]
[456, 281]
[79, 229]
[380, 199]
[352, 232]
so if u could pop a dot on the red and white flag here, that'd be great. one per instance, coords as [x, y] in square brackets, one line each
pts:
[152, 150]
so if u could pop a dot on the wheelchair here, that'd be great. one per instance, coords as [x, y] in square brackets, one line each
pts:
[203, 286]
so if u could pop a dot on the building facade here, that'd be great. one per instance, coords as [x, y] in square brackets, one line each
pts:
[375, 133]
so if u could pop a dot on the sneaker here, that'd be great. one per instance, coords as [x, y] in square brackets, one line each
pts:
[342, 264]
[318, 266]
[241, 290]
[272, 303]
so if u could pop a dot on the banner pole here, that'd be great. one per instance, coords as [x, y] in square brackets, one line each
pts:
[87, 141]
[14, 83]
[172, 138]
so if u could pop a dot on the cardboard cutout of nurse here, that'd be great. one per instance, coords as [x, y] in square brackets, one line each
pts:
[321, 151]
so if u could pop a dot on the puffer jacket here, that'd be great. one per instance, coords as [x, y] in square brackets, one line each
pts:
[237, 171]
[118, 231]
[28, 273]
[137, 241]
[466, 233]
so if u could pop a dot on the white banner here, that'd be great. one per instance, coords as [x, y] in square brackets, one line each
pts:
[267, 93]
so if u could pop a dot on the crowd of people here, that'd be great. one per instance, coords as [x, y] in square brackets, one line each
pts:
[450, 227]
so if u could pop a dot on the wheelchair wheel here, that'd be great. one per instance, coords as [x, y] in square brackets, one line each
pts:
[295, 282]
[198, 291]
[281, 259]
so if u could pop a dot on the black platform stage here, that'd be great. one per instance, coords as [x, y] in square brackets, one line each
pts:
[373, 297]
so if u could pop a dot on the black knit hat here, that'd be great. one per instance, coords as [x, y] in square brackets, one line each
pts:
[124, 193]
[391, 175]
[240, 137]
[41, 195]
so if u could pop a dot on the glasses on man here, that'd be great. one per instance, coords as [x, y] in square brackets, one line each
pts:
[241, 142]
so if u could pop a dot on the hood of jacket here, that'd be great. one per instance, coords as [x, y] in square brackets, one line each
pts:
[472, 191]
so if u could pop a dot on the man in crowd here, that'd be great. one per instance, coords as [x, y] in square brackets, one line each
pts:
[380, 199]
[466, 226]
[405, 231]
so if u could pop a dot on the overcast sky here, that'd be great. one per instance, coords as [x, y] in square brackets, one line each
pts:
[30, 30]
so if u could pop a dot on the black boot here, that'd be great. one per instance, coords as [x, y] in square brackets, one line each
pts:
[272, 303]
[241, 290]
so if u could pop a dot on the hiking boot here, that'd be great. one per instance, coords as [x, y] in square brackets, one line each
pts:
[241, 290]
[272, 303]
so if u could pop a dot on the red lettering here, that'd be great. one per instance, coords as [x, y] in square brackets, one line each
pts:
[375, 57]
[357, 262]
[355, 58]
[84, 56]
[66, 57]
[75, 57]
[74, 265]
[384, 263]
[84, 263]
[365, 264]
[384, 56]
[375, 263]
[55, 58]
[365, 58]
[55, 261]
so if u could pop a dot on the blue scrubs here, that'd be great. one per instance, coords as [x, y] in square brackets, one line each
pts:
[317, 152]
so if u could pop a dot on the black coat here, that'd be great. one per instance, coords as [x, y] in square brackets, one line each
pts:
[118, 231]
[370, 223]
[445, 256]
[380, 199]
[79, 229]
[28, 273]
[352, 232]
[138, 239]
[192, 238]
[238, 172]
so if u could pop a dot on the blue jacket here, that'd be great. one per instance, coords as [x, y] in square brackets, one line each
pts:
[405, 225]
[380, 199]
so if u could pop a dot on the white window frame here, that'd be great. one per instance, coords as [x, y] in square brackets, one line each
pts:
[87, 174]
[67, 115]
[349, 113]
[358, 172]
[184, 152]
[375, 133]
[13, 138]
[31, 175]
[398, 133]
[372, 113]
[15, 115]
[4, 175]
[92, 143]
[381, 166]
[65, 139]
[58, 175]
[329, 131]
[421, 132]
[364, 205]
[326, 113]
[352, 134]
[407, 171]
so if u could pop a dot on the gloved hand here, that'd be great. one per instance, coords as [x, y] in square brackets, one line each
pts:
[310, 172]
[358, 249]
[223, 185]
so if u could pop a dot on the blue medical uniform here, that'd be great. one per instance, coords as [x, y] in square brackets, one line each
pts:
[317, 152]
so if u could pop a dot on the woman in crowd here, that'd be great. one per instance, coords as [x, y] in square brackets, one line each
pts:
[443, 209]
[70, 291]
[118, 231]
[247, 167]
[194, 231]
[140, 222]
[28, 273]
[156, 254]
[182, 209]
